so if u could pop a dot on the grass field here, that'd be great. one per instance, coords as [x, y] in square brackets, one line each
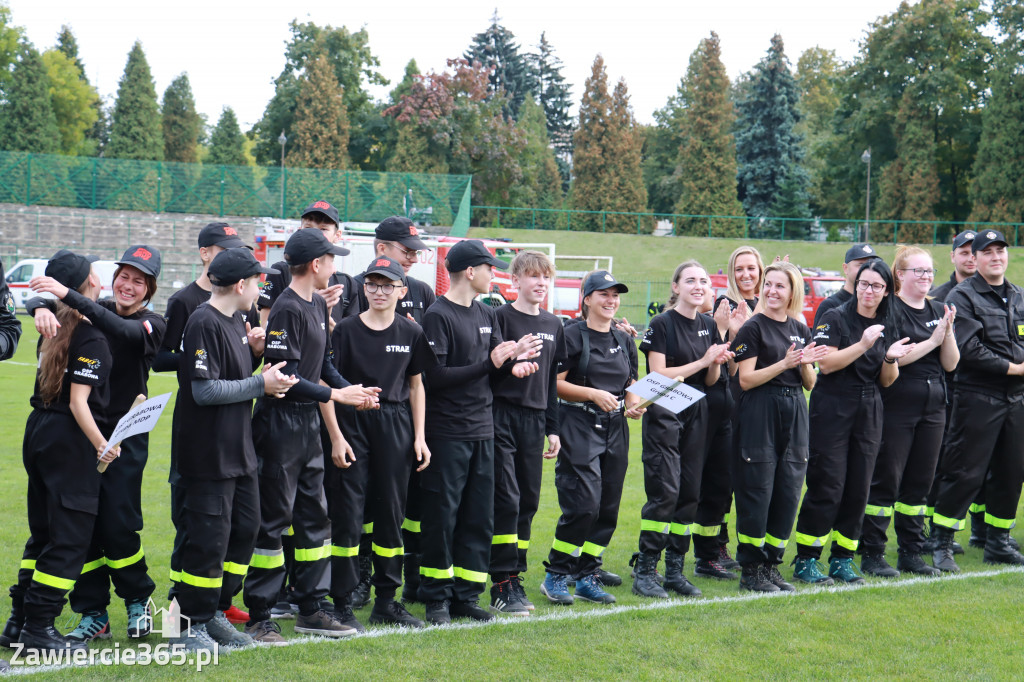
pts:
[948, 628]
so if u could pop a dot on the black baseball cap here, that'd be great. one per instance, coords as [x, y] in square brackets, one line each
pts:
[219, 234]
[322, 207]
[469, 253]
[382, 265]
[601, 279]
[964, 238]
[401, 230]
[858, 251]
[69, 268]
[307, 245]
[987, 238]
[144, 258]
[231, 265]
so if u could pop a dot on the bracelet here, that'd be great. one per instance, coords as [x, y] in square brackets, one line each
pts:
[888, 361]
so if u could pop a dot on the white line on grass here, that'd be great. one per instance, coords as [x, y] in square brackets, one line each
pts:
[597, 612]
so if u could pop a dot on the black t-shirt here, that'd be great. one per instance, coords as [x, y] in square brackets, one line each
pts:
[183, 303]
[130, 374]
[613, 364]
[89, 363]
[833, 301]
[385, 358]
[534, 391]
[417, 299]
[297, 332]
[461, 336]
[274, 284]
[751, 302]
[835, 329]
[213, 441]
[769, 340]
[681, 341]
[919, 326]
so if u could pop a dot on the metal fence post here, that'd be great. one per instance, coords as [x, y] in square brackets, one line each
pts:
[222, 190]
[95, 172]
[159, 180]
[782, 235]
[347, 174]
[604, 218]
[28, 181]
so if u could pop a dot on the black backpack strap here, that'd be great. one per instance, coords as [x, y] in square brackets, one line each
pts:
[584, 363]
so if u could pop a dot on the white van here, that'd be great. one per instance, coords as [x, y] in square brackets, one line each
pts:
[23, 271]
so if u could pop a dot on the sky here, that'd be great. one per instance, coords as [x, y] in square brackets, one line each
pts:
[232, 50]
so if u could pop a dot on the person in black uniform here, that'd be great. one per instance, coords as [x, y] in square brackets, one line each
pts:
[964, 266]
[62, 442]
[10, 327]
[134, 333]
[216, 463]
[525, 410]
[593, 404]
[286, 435]
[213, 238]
[458, 489]
[915, 415]
[846, 424]
[985, 436]
[372, 461]
[775, 360]
[856, 256]
[398, 238]
[679, 344]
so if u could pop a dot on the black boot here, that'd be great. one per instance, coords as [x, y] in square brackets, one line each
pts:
[998, 549]
[978, 530]
[874, 563]
[360, 596]
[632, 574]
[909, 562]
[754, 578]
[43, 636]
[942, 557]
[644, 583]
[674, 578]
[411, 571]
[12, 630]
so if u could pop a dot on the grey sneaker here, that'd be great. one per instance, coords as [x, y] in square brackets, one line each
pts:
[227, 635]
[323, 623]
[266, 632]
[196, 639]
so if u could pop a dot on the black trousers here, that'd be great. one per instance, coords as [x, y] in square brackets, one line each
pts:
[985, 449]
[674, 450]
[915, 417]
[518, 467]
[63, 498]
[291, 490]
[934, 491]
[220, 519]
[716, 477]
[115, 554]
[382, 441]
[458, 520]
[768, 471]
[589, 474]
[846, 433]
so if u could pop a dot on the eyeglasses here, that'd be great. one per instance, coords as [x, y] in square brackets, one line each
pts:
[386, 289]
[408, 253]
[921, 272]
[876, 287]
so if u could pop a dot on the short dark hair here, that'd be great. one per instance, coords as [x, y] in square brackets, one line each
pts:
[298, 270]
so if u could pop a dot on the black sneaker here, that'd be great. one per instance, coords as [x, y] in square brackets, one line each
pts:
[712, 569]
[754, 578]
[284, 610]
[519, 592]
[608, 578]
[913, 563]
[438, 612]
[775, 578]
[390, 612]
[726, 561]
[876, 565]
[505, 601]
[469, 609]
[46, 638]
[345, 615]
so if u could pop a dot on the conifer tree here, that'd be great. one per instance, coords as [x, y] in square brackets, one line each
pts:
[555, 98]
[511, 75]
[541, 186]
[67, 44]
[27, 121]
[10, 35]
[136, 131]
[182, 124]
[320, 132]
[227, 143]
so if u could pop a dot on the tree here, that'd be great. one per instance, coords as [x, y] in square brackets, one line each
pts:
[817, 71]
[555, 99]
[510, 72]
[97, 136]
[68, 46]
[10, 35]
[541, 186]
[769, 151]
[182, 124]
[706, 162]
[606, 160]
[73, 100]
[227, 143]
[320, 130]
[136, 131]
[27, 121]
[349, 55]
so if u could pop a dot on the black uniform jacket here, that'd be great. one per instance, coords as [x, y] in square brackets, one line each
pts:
[990, 334]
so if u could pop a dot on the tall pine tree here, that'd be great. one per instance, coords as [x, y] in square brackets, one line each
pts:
[707, 153]
[319, 136]
[769, 151]
[511, 75]
[182, 125]
[97, 136]
[136, 131]
[227, 143]
[555, 99]
[27, 121]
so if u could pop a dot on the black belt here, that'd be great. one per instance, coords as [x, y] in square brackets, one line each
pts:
[591, 408]
[784, 390]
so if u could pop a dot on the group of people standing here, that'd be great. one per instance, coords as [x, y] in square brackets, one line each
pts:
[398, 432]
